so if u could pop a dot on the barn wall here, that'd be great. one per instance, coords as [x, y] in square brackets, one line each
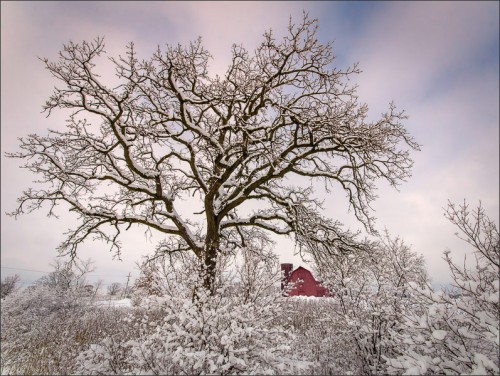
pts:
[304, 284]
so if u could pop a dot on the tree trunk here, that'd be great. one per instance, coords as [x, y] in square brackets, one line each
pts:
[210, 264]
[212, 243]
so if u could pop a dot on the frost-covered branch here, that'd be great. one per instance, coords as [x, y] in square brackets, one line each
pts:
[457, 331]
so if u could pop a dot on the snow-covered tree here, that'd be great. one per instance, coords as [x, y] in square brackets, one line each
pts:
[236, 146]
[458, 332]
[257, 270]
[372, 290]
[9, 285]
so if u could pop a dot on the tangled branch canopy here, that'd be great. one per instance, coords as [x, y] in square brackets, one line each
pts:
[170, 131]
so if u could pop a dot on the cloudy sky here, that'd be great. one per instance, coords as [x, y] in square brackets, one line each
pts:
[438, 61]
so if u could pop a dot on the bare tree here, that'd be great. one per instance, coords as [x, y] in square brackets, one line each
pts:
[9, 285]
[97, 286]
[114, 288]
[68, 275]
[235, 146]
[258, 271]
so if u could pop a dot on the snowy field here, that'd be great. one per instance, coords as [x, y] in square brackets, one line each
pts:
[114, 303]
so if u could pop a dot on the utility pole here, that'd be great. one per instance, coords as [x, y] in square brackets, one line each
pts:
[126, 286]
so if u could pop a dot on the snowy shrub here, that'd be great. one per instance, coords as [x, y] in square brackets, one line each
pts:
[458, 333]
[187, 330]
[44, 329]
[45, 326]
[318, 338]
[212, 334]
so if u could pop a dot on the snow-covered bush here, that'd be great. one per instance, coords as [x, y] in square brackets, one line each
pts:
[195, 331]
[45, 326]
[44, 329]
[458, 333]
[318, 338]
[212, 335]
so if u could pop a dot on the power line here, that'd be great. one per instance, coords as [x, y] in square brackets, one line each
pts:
[27, 270]
[42, 271]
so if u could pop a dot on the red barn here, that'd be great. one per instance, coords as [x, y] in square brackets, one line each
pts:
[301, 282]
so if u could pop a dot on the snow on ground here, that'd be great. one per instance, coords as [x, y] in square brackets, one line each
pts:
[115, 303]
[316, 298]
